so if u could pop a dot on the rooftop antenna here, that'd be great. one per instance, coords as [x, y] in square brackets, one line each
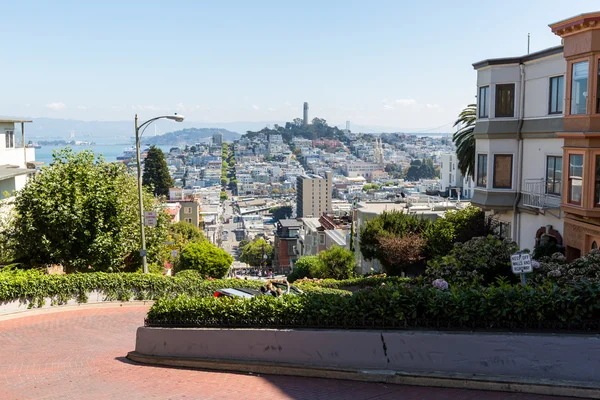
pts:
[528, 40]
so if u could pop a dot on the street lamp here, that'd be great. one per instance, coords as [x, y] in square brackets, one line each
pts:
[178, 118]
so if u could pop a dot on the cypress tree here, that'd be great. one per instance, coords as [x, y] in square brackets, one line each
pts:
[156, 173]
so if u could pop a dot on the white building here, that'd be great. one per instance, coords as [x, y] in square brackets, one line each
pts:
[16, 163]
[451, 178]
[519, 164]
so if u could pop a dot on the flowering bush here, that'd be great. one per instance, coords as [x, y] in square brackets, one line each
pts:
[480, 261]
[557, 270]
[440, 284]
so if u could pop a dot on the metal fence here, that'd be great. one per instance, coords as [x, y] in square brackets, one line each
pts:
[490, 325]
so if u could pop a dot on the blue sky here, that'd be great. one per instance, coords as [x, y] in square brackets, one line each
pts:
[402, 64]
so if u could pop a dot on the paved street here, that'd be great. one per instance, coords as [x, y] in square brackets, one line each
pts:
[80, 354]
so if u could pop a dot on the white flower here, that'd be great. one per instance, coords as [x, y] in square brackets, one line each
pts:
[440, 284]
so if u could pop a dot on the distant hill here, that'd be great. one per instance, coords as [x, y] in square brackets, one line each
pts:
[317, 129]
[190, 136]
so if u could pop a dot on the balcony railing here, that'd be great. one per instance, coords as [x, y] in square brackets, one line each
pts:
[535, 194]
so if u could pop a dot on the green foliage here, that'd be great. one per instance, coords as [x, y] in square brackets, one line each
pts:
[406, 306]
[253, 253]
[392, 223]
[370, 186]
[156, 172]
[555, 269]
[7, 220]
[205, 258]
[395, 171]
[305, 267]
[421, 170]
[547, 250]
[480, 261]
[464, 139]
[223, 195]
[83, 213]
[184, 232]
[281, 212]
[456, 227]
[336, 262]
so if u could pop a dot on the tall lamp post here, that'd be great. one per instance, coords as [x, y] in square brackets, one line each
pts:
[138, 135]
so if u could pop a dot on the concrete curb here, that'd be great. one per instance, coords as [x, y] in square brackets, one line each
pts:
[458, 381]
[57, 309]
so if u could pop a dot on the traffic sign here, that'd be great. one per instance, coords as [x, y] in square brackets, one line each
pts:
[150, 218]
[521, 263]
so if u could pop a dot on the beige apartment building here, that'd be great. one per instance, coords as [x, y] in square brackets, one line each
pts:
[314, 195]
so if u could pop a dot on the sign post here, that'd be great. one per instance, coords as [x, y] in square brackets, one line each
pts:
[150, 218]
[521, 265]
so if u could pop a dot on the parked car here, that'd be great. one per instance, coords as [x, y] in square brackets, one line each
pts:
[285, 287]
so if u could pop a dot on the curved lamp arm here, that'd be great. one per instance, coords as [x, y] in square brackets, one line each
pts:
[178, 118]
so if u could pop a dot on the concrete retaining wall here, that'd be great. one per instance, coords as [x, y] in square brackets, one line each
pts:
[20, 305]
[523, 356]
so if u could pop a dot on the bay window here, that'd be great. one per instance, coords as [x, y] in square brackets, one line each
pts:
[503, 171]
[553, 175]
[482, 170]
[575, 178]
[505, 100]
[483, 102]
[579, 87]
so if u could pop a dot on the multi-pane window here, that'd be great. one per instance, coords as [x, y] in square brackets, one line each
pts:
[553, 175]
[555, 102]
[579, 87]
[505, 100]
[10, 139]
[575, 178]
[483, 102]
[482, 170]
[503, 171]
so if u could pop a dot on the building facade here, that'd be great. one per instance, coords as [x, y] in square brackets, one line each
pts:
[537, 115]
[313, 195]
[16, 163]
[285, 246]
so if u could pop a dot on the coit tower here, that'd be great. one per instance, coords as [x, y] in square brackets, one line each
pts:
[305, 120]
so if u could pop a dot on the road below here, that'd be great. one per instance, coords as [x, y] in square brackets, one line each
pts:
[80, 354]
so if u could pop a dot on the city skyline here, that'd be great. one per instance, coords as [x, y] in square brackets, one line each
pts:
[384, 64]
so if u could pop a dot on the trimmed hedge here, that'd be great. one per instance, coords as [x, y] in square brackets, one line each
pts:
[361, 283]
[35, 287]
[416, 307]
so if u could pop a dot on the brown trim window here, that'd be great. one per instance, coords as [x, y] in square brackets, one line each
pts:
[555, 102]
[597, 183]
[553, 175]
[503, 171]
[598, 90]
[505, 100]
[483, 102]
[575, 178]
[482, 170]
[579, 87]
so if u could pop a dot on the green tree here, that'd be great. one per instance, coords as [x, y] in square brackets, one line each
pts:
[223, 195]
[464, 139]
[281, 212]
[305, 267]
[156, 173]
[253, 253]
[183, 233]
[223, 181]
[388, 224]
[337, 263]
[82, 212]
[205, 258]
[193, 149]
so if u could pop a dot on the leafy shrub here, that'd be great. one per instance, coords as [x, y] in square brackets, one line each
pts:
[480, 261]
[336, 262]
[189, 274]
[205, 258]
[355, 283]
[557, 270]
[304, 267]
[546, 250]
[576, 307]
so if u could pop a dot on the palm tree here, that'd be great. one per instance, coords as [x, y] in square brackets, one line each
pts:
[464, 139]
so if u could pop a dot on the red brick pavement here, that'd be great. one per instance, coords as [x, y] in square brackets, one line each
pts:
[80, 354]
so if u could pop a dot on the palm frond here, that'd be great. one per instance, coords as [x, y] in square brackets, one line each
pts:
[464, 140]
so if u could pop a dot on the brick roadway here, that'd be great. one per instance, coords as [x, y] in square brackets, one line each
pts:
[80, 354]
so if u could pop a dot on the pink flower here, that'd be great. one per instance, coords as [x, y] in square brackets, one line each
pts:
[440, 284]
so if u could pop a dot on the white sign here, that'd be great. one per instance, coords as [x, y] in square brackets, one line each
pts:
[150, 218]
[521, 263]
